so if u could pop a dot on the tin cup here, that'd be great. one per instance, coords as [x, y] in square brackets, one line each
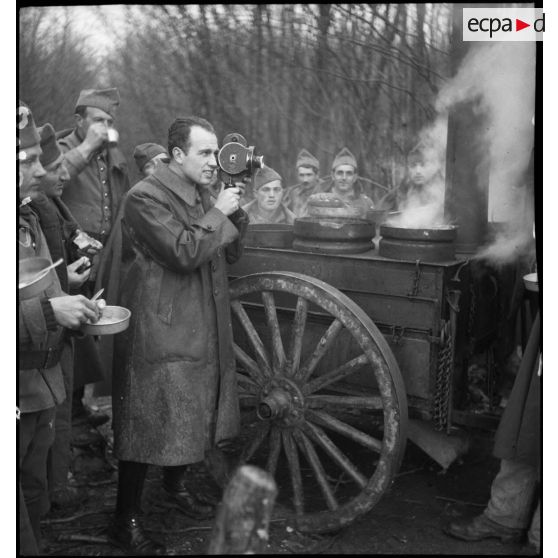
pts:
[112, 136]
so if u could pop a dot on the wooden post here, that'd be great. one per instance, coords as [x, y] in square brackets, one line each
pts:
[242, 522]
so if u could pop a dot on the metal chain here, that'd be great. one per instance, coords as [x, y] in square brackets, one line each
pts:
[416, 279]
[472, 318]
[443, 377]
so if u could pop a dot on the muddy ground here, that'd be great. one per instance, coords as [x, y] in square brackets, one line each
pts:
[407, 520]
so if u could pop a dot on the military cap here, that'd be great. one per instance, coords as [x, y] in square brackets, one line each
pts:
[104, 99]
[265, 175]
[144, 152]
[344, 157]
[49, 145]
[306, 159]
[418, 151]
[27, 134]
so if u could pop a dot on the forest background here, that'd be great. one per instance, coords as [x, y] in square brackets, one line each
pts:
[286, 76]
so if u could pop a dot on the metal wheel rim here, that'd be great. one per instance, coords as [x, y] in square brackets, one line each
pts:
[386, 372]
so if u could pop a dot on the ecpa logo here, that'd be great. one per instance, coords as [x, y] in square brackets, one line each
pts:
[503, 24]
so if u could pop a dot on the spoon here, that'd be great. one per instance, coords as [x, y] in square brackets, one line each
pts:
[97, 294]
[41, 274]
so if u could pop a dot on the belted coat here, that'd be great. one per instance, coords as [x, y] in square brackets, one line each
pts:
[38, 389]
[93, 194]
[174, 382]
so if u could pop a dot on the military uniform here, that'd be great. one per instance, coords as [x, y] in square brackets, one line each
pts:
[93, 195]
[296, 197]
[282, 215]
[41, 383]
[40, 342]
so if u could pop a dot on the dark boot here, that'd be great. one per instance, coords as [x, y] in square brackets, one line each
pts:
[83, 415]
[176, 486]
[481, 527]
[126, 531]
[127, 534]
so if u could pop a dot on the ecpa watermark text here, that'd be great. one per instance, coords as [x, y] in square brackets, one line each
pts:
[503, 24]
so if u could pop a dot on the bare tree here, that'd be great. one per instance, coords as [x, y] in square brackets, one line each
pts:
[287, 76]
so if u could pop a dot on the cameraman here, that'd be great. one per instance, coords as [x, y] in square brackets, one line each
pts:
[174, 386]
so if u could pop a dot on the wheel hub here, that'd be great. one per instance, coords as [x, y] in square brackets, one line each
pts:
[282, 402]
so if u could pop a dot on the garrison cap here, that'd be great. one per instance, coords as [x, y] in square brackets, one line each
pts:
[49, 145]
[27, 134]
[144, 152]
[104, 99]
[306, 159]
[418, 151]
[265, 175]
[344, 157]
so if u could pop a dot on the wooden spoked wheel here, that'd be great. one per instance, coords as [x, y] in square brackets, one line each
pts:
[322, 397]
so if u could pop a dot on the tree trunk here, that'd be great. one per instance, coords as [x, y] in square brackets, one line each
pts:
[242, 522]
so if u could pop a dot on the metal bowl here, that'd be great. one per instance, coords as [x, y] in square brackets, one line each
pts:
[30, 281]
[531, 282]
[114, 320]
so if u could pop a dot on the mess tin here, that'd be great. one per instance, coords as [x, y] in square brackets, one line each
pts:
[531, 282]
[114, 320]
[32, 281]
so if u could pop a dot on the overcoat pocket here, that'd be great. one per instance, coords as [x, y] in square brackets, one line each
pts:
[167, 292]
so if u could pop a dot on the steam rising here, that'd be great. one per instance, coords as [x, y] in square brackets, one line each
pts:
[500, 79]
[426, 209]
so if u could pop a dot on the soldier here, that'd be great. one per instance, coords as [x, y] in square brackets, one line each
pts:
[346, 184]
[148, 156]
[98, 181]
[423, 183]
[296, 197]
[60, 228]
[344, 177]
[267, 207]
[41, 323]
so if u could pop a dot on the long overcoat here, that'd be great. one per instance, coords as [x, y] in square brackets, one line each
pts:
[174, 383]
[93, 194]
[38, 389]
[519, 432]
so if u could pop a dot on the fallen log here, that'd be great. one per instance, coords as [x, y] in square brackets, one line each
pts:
[83, 538]
[243, 517]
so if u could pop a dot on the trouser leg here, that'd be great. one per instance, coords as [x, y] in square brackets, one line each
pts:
[126, 531]
[27, 542]
[77, 404]
[534, 534]
[36, 434]
[512, 494]
[60, 455]
[131, 478]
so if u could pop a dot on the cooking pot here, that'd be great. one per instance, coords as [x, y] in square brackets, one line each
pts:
[332, 246]
[333, 229]
[269, 236]
[434, 245]
[443, 233]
